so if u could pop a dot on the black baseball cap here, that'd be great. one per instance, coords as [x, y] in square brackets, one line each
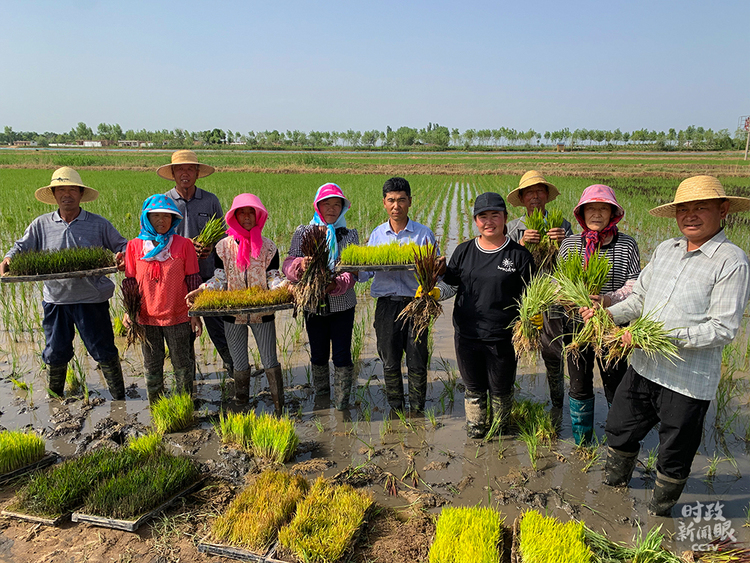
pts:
[489, 201]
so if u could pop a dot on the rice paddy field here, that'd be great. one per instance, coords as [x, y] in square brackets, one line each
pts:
[426, 462]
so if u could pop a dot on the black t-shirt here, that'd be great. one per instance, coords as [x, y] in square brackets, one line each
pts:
[489, 284]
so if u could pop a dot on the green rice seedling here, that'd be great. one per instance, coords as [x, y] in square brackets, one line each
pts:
[726, 551]
[531, 438]
[432, 417]
[536, 299]
[72, 382]
[142, 488]
[468, 534]
[146, 445]
[310, 289]
[212, 232]
[38, 262]
[274, 439]
[593, 276]
[531, 416]
[650, 465]
[713, 466]
[131, 299]
[64, 487]
[385, 428]
[381, 255]
[423, 310]
[172, 414]
[236, 428]
[325, 523]
[535, 222]
[19, 384]
[319, 424]
[648, 334]
[604, 549]
[118, 327]
[649, 550]
[242, 298]
[545, 539]
[18, 448]
[256, 514]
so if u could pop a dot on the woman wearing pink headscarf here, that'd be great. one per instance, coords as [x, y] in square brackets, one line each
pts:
[599, 213]
[248, 259]
[330, 325]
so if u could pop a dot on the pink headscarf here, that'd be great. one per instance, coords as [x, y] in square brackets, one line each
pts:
[250, 241]
[601, 194]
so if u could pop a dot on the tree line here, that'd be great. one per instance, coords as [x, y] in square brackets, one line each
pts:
[434, 136]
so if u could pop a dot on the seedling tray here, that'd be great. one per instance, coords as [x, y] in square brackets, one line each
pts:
[60, 276]
[375, 267]
[48, 459]
[241, 311]
[133, 525]
[237, 552]
[36, 519]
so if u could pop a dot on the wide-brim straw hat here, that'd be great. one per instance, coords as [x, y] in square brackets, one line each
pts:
[65, 176]
[531, 178]
[699, 188]
[184, 157]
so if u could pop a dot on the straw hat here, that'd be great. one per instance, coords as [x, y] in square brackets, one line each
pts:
[184, 157]
[698, 188]
[531, 178]
[65, 176]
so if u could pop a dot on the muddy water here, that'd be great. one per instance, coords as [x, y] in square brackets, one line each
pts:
[450, 469]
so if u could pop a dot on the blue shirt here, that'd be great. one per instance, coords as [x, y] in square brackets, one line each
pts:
[396, 283]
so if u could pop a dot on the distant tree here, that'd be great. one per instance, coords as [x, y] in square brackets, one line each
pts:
[469, 136]
[405, 136]
[82, 131]
[369, 138]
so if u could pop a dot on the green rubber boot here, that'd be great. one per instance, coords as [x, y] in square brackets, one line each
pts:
[667, 492]
[154, 385]
[56, 379]
[394, 390]
[112, 372]
[417, 392]
[582, 420]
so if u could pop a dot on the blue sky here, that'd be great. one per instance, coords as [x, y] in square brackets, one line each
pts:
[365, 65]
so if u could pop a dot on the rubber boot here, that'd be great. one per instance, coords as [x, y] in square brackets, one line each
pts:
[475, 406]
[417, 392]
[582, 420]
[184, 378]
[276, 385]
[226, 357]
[502, 406]
[618, 470]
[154, 385]
[343, 378]
[667, 492]
[321, 380]
[112, 372]
[56, 379]
[242, 386]
[556, 382]
[394, 390]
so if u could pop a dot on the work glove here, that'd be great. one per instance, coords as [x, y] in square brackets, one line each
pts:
[435, 293]
[537, 320]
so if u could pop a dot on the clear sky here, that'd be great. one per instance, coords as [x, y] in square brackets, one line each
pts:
[365, 65]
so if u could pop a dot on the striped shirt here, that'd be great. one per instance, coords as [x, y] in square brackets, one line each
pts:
[700, 297]
[50, 232]
[344, 237]
[622, 254]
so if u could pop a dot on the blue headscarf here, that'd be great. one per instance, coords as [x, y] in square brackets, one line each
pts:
[158, 204]
[324, 192]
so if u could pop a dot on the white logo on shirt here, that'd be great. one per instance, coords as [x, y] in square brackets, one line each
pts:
[507, 266]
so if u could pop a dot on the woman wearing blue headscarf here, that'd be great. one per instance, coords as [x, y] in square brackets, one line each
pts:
[330, 325]
[162, 268]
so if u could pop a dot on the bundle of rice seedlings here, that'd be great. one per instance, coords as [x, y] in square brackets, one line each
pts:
[212, 232]
[647, 334]
[310, 290]
[549, 246]
[142, 488]
[381, 255]
[536, 222]
[131, 299]
[725, 551]
[210, 300]
[536, 299]
[63, 487]
[274, 439]
[236, 428]
[649, 549]
[18, 449]
[593, 276]
[423, 310]
[467, 534]
[544, 539]
[325, 523]
[256, 514]
[146, 445]
[533, 417]
[172, 414]
[38, 262]
[604, 549]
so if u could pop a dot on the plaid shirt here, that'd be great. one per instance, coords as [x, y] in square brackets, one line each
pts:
[700, 296]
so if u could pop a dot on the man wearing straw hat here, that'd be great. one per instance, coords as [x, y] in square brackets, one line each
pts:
[81, 303]
[197, 207]
[698, 286]
[534, 192]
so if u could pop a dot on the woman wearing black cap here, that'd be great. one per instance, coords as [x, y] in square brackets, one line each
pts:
[487, 275]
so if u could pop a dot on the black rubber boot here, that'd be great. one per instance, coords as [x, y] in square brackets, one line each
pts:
[242, 386]
[475, 406]
[667, 492]
[112, 372]
[619, 467]
[184, 378]
[276, 386]
[502, 406]
[154, 385]
[394, 390]
[56, 379]
[343, 379]
[417, 392]
[556, 382]
[321, 380]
